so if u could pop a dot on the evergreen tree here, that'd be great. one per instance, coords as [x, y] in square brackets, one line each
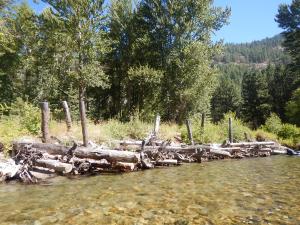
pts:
[256, 100]
[226, 98]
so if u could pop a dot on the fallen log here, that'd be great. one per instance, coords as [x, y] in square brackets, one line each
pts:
[109, 155]
[247, 144]
[55, 165]
[80, 152]
[125, 167]
[220, 152]
[8, 169]
[167, 162]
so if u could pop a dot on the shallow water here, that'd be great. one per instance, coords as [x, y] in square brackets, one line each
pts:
[253, 191]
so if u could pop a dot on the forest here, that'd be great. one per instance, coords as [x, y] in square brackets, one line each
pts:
[129, 60]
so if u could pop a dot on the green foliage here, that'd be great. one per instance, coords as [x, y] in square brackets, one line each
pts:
[217, 132]
[293, 108]
[29, 115]
[289, 131]
[273, 124]
[257, 52]
[226, 98]
[256, 99]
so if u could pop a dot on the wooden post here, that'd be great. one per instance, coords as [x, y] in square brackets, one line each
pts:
[45, 121]
[156, 125]
[230, 130]
[83, 117]
[202, 120]
[202, 127]
[67, 115]
[189, 129]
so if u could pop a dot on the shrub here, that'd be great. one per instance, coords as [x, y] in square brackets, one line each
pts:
[29, 115]
[273, 124]
[289, 131]
[262, 135]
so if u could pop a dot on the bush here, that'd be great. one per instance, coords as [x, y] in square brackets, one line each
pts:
[273, 124]
[217, 133]
[262, 135]
[289, 131]
[28, 114]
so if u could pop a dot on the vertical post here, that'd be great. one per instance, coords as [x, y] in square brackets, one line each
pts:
[202, 127]
[83, 117]
[189, 129]
[230, 130]
[202, 120]
[156, 125]
[45, 121]
[67, 115]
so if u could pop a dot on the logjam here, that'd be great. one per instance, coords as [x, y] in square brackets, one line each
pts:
[31, 161]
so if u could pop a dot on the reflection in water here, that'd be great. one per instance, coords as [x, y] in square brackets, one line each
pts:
[254, 191]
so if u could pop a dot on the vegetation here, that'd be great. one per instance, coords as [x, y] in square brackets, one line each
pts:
[125, 61]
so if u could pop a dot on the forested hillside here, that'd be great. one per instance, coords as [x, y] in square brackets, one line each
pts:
[261, 53]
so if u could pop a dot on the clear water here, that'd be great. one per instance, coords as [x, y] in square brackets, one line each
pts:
[254, 191]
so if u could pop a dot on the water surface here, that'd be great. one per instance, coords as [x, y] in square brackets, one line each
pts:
[252, 191]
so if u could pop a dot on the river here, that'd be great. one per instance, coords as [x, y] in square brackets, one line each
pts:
[252, 191]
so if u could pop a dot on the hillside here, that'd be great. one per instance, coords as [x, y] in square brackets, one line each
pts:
[257, 53]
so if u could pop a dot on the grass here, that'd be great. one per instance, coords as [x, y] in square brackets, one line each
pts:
[13, 128]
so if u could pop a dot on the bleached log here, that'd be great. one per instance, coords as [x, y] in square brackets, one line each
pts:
[220, 152]
[278, 152]
[109, 155]
[55, 165]
[247, 144]
[82, 152]
[8, 169]
[125, 167]
[167, 162]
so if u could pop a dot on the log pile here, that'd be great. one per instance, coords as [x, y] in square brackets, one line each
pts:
[31, 162]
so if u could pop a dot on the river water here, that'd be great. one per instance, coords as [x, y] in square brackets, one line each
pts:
[252, 191]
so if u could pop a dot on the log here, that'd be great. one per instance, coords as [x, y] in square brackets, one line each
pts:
[278, 152]
[103, 163]
[167, 162]
[220, 152]
[55, 165]
[248, 144]
[45, 121]
[81, 152]
[67, 115]
[190, 132]
[125, 167]
[109, 155]
[230, 136]
[156, 125]
[8, 169]
[82, 112]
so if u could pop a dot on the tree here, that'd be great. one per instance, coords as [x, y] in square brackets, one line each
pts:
[80, 27]
[288, 18]
[256, 100]
[293, 108]
[226, 98]
[178, 34]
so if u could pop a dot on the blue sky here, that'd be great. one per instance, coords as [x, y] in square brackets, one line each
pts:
[250, 19]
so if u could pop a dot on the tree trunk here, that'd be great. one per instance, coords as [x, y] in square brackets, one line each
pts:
[45, 121]
[67, 115]
[83, 116]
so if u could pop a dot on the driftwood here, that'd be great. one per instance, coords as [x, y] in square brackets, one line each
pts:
[81, 152]
[32, 161]
[55, 165]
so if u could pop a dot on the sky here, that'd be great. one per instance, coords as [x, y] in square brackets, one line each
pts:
[250, 19]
